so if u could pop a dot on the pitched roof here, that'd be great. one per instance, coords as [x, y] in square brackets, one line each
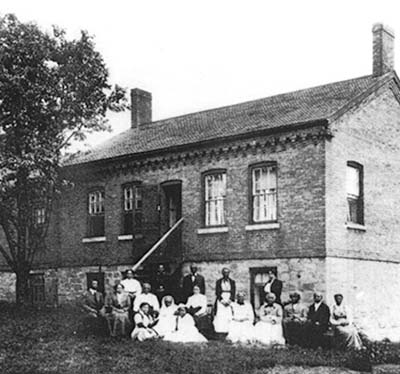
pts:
[280, 111]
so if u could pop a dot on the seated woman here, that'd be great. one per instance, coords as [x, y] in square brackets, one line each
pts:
[144, 324]
[197, 307]
[167, 317]
[185, 330]
[241, 328]
[345, 333]
[269, 329]
[294, 320]
[120, 303]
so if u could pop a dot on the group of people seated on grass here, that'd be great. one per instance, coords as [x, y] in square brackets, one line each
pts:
[158, 316]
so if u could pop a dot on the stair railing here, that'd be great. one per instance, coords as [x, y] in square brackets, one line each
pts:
[156, 245]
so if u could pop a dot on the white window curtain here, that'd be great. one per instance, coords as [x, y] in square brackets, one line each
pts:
[128, 198]
[40, 216]
[215, 192]
[96, 202]
[354, 198]
[353, 181]
[264, 194]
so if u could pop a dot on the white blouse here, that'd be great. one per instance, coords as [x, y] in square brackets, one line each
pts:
[196, 301]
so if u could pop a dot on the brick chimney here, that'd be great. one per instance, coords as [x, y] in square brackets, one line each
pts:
[383, 49]
[140, 107]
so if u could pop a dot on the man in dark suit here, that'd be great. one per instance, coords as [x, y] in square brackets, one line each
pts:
[274, 285]
[317, 321]
[92, 303]
[191, 280]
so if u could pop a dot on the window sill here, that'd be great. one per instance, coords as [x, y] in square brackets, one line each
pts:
[212, 230]
[95, 239]
[129, 237]
[263, 226]
[355, 226]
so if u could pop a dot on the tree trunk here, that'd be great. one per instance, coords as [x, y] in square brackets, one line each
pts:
[22, 287]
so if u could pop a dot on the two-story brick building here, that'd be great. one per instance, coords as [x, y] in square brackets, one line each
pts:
[306, 182]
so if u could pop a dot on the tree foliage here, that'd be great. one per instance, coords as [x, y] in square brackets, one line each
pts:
[52, 91]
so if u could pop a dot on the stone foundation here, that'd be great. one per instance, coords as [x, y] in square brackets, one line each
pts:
[372, 289]
[7, 286]
[302, 274]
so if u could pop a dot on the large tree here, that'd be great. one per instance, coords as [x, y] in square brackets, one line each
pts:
[53, 90]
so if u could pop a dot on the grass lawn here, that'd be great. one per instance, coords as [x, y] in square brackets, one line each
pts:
[49, 341]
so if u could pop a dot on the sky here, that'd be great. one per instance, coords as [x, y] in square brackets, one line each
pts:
[196, 55]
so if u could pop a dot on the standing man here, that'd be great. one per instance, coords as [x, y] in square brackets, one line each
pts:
[191, 280]
[161, 283]
[225, 291]
[133, 288]
[317, 321]
[131, 285]
[274, 285]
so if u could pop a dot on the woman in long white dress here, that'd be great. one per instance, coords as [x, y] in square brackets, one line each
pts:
[185, 330]
[241, 329]
[144, 324]
[167, 316]
[223, 315]
[345, 333]
[269, 329]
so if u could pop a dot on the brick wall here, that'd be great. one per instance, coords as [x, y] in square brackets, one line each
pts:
[300, 209]
[370, 135]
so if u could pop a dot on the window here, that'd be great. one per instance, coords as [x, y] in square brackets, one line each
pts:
[39, 216]
[354, 189]
[214, 198]
[263, 193]
[132, 208]
[96, 213]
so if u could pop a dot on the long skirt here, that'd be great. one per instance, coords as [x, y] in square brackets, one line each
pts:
[294, 333]
[120, 320]
[346, 337]
[143, 333]
[204, 325]
[240, 332]
[185, 336]
[268, 333]
[222, 318]
[165, 325]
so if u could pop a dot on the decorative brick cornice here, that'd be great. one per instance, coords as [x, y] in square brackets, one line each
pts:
[208, 154]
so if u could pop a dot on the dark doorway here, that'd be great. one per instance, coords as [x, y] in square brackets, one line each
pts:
[37, 288]
[258, 278]
[171, 205]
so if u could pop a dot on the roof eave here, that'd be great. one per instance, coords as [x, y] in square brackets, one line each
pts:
[183, 147]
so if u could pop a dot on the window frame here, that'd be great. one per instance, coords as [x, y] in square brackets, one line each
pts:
[360, 200]
[250, 191]
[39, 220]
[134, 185]
[89, 229]
[204, 175]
